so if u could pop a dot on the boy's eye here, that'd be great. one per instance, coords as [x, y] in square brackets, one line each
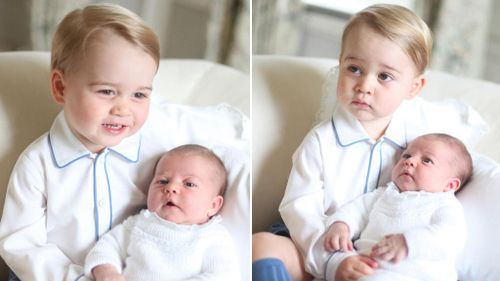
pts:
[385, 77]
[354, 69]
[106, 92]
[140, 95]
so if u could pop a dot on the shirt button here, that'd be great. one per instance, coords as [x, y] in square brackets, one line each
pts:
[101, 203]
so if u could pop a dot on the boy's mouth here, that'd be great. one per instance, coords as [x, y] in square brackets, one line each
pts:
[360, 104]
[114, 128]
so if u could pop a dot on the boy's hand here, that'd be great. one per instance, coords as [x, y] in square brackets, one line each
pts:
[337, 238]
[392, 248]
[106, 272]
[354, 267]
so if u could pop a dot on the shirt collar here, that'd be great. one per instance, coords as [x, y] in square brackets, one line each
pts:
[349, 131]
[66, 148]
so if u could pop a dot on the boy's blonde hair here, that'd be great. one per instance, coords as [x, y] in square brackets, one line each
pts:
[78, 27]
[401, 26]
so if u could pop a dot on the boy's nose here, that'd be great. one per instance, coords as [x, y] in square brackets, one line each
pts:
[121, 107]
[364, 85]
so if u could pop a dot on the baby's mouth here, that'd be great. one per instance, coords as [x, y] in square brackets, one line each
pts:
[170, 204]
[407, 174]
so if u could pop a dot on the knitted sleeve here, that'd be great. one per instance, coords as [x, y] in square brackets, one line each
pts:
[220, 261]
[110, 249]
[444, 236]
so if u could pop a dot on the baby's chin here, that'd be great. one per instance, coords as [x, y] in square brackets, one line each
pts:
[406, 187]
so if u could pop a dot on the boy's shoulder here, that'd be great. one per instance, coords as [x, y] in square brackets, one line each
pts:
[39, 148]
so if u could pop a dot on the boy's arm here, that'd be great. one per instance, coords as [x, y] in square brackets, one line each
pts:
[444, 236]
[23, 229]
[302, 206]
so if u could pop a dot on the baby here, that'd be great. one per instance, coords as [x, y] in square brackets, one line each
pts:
[413, 227]
[179, 236]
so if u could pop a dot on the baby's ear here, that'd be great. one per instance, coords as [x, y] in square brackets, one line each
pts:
[453, 184]
[57, 85]
[417, 85]
[215, 205]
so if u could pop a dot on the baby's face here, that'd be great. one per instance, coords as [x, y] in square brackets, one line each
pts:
[426, 165]
[185, 189]
[106, 94]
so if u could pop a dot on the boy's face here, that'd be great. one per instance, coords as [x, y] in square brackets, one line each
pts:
[106, 94]
[185, 189]
[375, 76]
[426, 165]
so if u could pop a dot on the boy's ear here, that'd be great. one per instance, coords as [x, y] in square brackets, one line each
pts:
[215, 205]
[453, 184]
[417, 85]
[57, 85]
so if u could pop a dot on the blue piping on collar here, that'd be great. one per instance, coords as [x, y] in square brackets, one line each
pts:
[371, 152]
[394, 143]
[52, 153]
[54, 156]
[137, 154]
[338, 138]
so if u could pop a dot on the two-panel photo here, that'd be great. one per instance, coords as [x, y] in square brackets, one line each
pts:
[238, 140]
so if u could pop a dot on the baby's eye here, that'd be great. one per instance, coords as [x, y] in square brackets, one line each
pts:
[354, 69]
[405, 156]
[190, 184]
[162, 182]
[428, 161]
[385, 77]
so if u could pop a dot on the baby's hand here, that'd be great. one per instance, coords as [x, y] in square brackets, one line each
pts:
[106, 272]
[337, 238]
[392, 248]
[354, 267]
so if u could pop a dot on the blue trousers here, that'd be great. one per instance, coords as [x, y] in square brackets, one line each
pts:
[12, 276]
[269, 269]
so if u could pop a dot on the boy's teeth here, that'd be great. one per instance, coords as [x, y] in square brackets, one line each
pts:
[112, 126]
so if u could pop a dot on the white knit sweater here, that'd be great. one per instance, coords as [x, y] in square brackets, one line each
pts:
[433, 225]
[146, 247]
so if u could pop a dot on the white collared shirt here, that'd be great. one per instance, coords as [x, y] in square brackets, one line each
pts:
[61, 198]
[336, 162]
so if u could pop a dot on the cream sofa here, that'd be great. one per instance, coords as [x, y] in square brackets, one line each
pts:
[287, 95]
[27, 111]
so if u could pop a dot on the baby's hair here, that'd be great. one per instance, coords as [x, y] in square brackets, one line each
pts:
[401, 26]
[78, 27]
[462, 159]
[209, 155]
